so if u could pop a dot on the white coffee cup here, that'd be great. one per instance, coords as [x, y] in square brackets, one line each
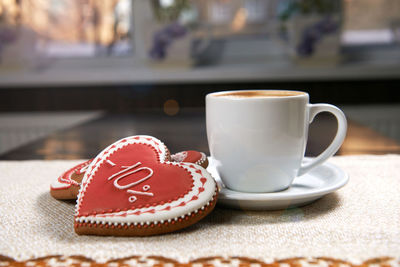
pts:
[258, 138]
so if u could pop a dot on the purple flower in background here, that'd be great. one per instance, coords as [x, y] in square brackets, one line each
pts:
[313, 33]
[163, 38]
[176, 30]
[7, 35]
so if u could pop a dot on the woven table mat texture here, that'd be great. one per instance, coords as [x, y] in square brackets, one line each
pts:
[360, 221]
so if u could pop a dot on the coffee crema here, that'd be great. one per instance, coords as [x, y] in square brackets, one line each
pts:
[259, 93]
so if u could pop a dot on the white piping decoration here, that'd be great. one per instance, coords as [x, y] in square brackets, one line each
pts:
[179, 157]
[134, 183]
[84, 169]
[134, 198]
[127, 171]
[202, 159]
[127, 168]
[110, 162]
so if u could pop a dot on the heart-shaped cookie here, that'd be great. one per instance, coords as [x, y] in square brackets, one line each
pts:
[131, 189]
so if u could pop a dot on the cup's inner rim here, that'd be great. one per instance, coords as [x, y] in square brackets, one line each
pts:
[274, 94]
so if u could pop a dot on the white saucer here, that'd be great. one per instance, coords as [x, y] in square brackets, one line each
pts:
[305, 189]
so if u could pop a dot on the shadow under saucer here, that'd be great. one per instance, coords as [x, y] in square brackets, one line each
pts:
[222, 215]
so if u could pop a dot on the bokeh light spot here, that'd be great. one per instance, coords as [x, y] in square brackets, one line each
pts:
[171, 107]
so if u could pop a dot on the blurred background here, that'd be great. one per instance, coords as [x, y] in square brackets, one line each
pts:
[65, 62]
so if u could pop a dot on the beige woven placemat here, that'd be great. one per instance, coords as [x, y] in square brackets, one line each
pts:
[359, 222]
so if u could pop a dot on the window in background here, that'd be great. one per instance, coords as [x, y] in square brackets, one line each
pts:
[91, 28]
[90, 40]
[371, 22]
[66, 28]
[237, 17]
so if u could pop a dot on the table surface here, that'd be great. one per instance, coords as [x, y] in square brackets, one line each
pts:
[184, 131]
[187, 131]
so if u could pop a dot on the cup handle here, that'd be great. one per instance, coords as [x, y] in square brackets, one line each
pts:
[314, 109]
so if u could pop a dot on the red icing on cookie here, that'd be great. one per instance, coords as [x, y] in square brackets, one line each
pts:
[131, 178]
[193, 156]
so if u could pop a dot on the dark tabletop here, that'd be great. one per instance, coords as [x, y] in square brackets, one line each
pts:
[184, 131]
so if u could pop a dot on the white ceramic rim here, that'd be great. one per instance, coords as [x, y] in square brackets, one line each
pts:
[299, 94]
